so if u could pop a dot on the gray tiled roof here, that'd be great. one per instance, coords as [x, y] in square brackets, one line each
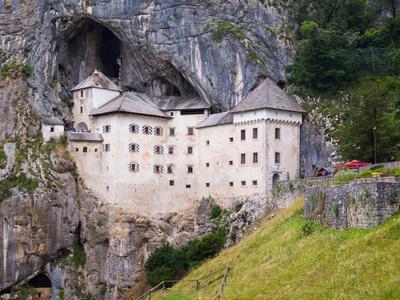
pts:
[85, 136]
[216, 119]
[53, 121]
[181, 103]
[104, 83]
[268, 95]
[131, 102]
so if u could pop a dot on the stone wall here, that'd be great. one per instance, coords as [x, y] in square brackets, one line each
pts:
[354, 205]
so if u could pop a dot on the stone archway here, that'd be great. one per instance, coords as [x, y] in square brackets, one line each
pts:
[275, 179]
[82, 127]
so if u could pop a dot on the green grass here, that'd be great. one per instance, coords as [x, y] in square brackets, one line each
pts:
[280, 261]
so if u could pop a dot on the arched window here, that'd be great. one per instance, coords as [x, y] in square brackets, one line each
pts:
[134, 128]
[105, 148]
[147, 130]
[275, 179]
[134, 167]
[158, 131]
[106, 128]
[133, 147]
[81, 127]
[158, 169]
[158, 149]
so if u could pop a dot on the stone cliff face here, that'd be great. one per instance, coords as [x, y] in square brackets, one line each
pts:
[217, 49]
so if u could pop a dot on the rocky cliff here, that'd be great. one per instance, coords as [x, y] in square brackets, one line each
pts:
[217, 49]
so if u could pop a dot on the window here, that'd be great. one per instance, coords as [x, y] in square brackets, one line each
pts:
[277, 158]
[76, 149]
[243, 134]
[243, 182]
[255, 158]
[231, 139]
[190, 131]
[51, 129]
[158, 149]
[171, 113]
[134, 128]
[207, 165]
[190, 169]
[158, 169]
[147, 130]
[133, 147]
[255, 133]
[171, 183]
[105, 148]
[231, 162]
[172, 131]
[170, 149]
[231, 183]
[108, 188]
[85, 149]
[207, 184]
[243, 158]
[134, 167]
[81, 94]
[170, 169]
[95, 149]
[278, 133]
[192, 112]
[190, 150]
[106, 128]
[188, 186]
[255, 182]
[207, 142]
[81, 109]
[158, 131]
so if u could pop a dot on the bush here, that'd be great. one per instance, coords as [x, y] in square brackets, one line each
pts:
[26, 70]
[343, 177]
[3, 157]
[215, 211]
[79, 256]
[308, 228]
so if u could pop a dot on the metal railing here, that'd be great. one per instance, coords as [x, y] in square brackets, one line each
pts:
[166, 284]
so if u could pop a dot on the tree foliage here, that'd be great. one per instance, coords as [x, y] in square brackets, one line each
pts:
[349, 55]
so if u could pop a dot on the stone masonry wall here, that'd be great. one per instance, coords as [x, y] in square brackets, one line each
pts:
[354, 205]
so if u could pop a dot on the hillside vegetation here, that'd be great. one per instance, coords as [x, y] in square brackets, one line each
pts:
[289, 257]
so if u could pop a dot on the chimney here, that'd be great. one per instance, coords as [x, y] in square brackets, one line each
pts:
[96, 78]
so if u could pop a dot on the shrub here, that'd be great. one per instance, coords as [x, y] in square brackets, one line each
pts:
[308, 228]
[238, 206]
[26, 70]
[79, 256]
[215, 211]
[308, 28]
[225, 27]
[343, 177]
[64, 140]
[3, 157]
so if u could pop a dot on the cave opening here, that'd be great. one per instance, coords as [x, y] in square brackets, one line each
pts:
[87, 45]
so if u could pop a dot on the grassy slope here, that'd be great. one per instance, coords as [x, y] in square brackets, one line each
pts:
[279, 262]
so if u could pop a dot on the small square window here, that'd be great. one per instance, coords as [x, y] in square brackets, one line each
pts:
[51, 129]
[171, 183]
[81, 94]
[243, 182]
[85, 149]
[255, 182]
[170, 169]
[81, 109]
[207, 142]
[171, 150]
[255, 158]
[278, 133]
[231, 139]
[231, 162]
[255, 133]
[190, 150]
[76, 149]
[172, 131]
[243, 134]
[190, 131]
[277, 158]
[171, 113]
[188, 186]
[207, 184]
[95, 149]
[243, 158]
[231, 183]
[207, 165]
[190, 169]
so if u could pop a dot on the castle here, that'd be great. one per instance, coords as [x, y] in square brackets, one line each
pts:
[159, 155]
